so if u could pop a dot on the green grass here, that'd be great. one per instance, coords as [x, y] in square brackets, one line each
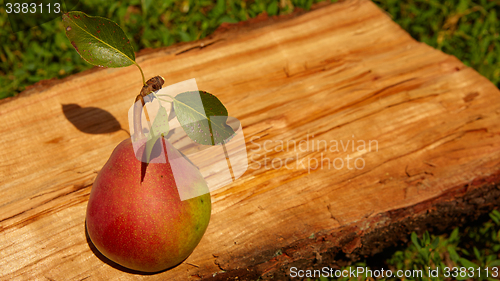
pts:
[466, 29]
[469, 30]
[474, 248]
[44, 52]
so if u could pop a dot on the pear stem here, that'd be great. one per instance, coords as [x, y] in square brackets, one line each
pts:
[142, 74]
[152, 85]
[138, 134]
[166, 95]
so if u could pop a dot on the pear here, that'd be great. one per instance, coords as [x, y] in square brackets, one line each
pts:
[135, 216]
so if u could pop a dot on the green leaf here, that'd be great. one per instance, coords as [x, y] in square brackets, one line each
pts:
[453, 254]
[495, 216]
[228, 19]
[160, 127]
[496, 248]
[454, 235]
[203, 117]
[424, 253]
[145, 6]
[414, 239]
[494, 263]
[477, 253]
[435, 243]
[150, 143]
[426, 238]
[462, 6]
[467, 263]
[160, 124]
[272, 9]
[98, 40]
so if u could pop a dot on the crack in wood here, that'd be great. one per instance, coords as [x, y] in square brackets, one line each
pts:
[217, 263]
[319, 133]
[369, 214]
[355, 78]
[46, 212]
[192, 264]
[201, 46]
[331, 214]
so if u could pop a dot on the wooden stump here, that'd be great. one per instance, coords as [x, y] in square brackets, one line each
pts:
[327, 81]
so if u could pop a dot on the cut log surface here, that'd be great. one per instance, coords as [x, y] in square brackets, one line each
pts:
[356, 135]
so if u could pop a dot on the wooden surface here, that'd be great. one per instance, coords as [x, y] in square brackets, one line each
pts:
[340, 72]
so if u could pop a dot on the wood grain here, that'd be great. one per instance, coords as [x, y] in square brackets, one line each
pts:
[342, 72]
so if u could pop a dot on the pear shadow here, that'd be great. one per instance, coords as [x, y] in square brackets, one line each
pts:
[91, 120]
[113, 264]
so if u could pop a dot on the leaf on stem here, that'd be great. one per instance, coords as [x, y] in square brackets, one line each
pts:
[160, 124]
[160, 127]
[98, 40]
[203, 117]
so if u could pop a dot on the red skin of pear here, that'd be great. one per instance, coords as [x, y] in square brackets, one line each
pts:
[143, 225]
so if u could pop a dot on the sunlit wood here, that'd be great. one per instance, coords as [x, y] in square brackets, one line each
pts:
[306, 88]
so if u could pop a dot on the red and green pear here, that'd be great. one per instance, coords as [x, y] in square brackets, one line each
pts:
[135, 216]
